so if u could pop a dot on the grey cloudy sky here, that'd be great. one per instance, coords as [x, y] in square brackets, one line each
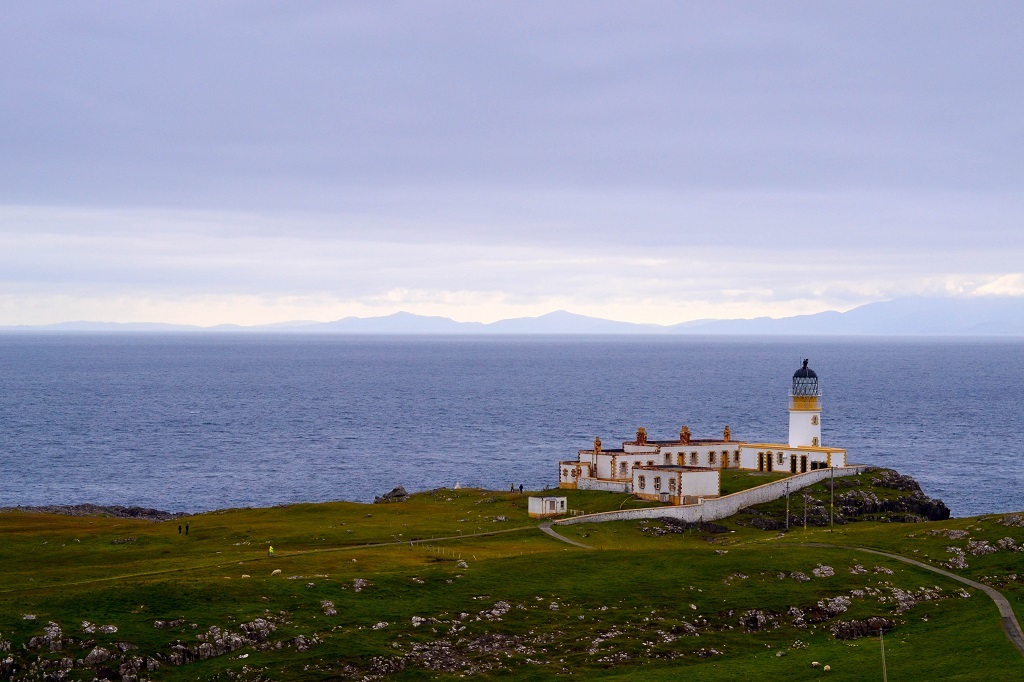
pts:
[254, 162]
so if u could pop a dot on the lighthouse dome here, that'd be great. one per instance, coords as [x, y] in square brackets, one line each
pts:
[805, 381]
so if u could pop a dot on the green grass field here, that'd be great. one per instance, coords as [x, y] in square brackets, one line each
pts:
[461, 583]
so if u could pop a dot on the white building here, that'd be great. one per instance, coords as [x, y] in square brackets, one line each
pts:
[549, 505]
[684, 470]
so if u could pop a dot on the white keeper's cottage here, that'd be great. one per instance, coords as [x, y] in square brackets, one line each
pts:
[686, 470]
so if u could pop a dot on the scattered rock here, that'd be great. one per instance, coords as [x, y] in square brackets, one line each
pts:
[957, 561]
[1012, 520]
[162, 624]
[756, 619]
[822, 571]
[980, 547]
[834, 606]
[360, 584]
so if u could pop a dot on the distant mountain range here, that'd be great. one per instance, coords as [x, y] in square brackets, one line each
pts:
[975, 316]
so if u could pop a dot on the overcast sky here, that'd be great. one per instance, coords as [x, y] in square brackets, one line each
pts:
[252, 162]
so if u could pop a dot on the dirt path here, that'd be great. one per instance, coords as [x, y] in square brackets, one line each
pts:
[1006, 614]
[546, 527]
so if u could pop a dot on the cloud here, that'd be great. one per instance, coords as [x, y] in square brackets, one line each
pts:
[256, 268]
[1005, 285]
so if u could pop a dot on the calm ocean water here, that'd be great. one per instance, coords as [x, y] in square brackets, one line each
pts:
[196, 422]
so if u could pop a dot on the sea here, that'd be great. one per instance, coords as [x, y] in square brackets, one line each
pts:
[199, 421]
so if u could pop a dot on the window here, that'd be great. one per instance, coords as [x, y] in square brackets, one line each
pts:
[623, 468]
[711, 457]
[650, 462]
[814, 420]
[814, 441]
[668, 458]
[657, 482]
[636, 463]
[641, 481]
[565, 473]
[736, 456]
[780, 457]
[672, 484]
[693, 458]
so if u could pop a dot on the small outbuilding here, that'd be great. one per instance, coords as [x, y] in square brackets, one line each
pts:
[540, 507]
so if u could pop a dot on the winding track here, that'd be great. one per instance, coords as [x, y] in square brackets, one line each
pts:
[1006, 614]
[546, 527]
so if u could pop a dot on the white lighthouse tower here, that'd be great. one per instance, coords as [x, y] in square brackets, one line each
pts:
[805, 409]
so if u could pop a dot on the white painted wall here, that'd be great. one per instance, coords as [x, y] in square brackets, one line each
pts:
[546, 506]
[720, 507]
[700, 483]
[608, 486]
[804, 428]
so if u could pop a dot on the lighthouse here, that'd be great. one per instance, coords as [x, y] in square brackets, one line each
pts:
[805, 409]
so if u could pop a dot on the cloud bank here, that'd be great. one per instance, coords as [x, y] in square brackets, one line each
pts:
[217, 162]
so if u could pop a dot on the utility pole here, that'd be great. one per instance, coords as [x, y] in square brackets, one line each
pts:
[787, 506]
[881, 640]
[832, 501]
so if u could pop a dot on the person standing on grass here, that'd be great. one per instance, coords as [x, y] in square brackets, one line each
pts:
[186, 528]
[520, 488]
[179, 529]
[270, 551]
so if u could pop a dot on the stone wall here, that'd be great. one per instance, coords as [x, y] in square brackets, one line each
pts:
[719, 507]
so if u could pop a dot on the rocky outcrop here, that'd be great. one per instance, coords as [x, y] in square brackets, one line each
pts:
[913, 507]
[396, 495]
[855, 629]
[116, 511]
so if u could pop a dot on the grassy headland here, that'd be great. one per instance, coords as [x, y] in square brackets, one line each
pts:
[453, 583]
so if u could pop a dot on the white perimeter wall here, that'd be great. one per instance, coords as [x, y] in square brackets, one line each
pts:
[721, 507]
